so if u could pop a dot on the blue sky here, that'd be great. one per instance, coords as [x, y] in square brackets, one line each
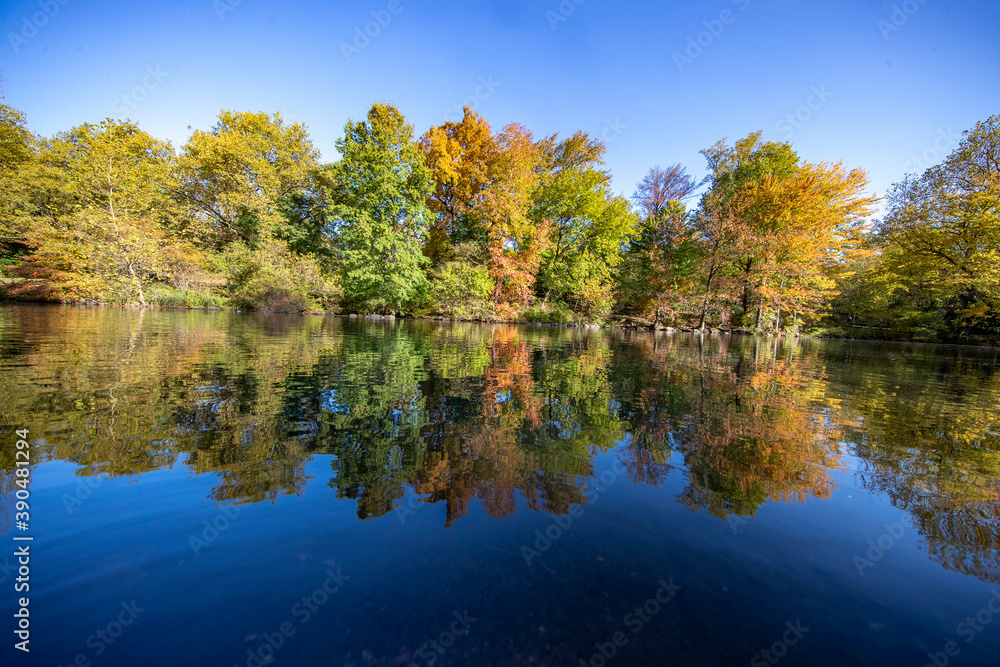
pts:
[887, 81]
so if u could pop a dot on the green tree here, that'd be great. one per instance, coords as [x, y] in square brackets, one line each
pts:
[381, 186]
[589, 225]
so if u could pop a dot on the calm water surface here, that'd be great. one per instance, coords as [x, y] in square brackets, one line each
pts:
[226, 489]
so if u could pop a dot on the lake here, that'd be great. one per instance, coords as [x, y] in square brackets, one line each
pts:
[216, 488]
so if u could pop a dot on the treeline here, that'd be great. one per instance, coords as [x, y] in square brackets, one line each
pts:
[468, 222]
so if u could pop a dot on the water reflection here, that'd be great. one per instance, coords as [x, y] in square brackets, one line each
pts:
[511, 418]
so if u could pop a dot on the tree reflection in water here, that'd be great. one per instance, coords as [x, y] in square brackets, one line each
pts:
[457, 413]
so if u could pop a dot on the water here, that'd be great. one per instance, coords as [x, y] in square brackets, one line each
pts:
[212, 488]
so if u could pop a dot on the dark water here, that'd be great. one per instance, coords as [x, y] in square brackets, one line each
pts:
[225, 489]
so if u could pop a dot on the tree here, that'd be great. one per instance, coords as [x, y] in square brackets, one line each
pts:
[16, 154]
[459, 156]
[514, 241]
[942, 229]
[776, 227]
[659, 265]
[244, 180]
[589, 224]
[660, 187]
[105, 215]
[380, 214]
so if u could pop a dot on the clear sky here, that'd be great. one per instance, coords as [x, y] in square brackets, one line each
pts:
[887, 81]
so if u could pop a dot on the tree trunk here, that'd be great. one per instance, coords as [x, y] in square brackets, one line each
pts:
[138, 284]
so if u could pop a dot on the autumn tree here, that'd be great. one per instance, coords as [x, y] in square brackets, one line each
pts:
[16, 153]
[514, 240]
[776, 226]
[660, 261]
[380, 215]
[106, 221]
[243, 179]
[590, 225]
[941, 234]
[460, 156]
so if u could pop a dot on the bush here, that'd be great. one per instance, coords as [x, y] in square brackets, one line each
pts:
[170, 297]
[462, 289]
[552, 313]
[271, 277]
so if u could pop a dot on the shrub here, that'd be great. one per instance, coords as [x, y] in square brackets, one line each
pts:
[171, 297]
[550, 313]
[271, 277]
[462, 289]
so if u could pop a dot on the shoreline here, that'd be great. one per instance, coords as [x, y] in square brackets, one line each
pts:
[627, 323]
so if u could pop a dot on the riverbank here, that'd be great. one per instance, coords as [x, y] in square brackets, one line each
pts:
[621, 323]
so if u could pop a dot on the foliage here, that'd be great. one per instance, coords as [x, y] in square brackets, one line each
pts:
[775, 228]
[169, 297]
[103, 215]
[497, 225]
[658, 276]
[381, 186]
[942, 233]
[271, 277]
[461, 288]
[588, 225]
[16, 145]
[459, 156]
[548, 313]
[239, 179]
